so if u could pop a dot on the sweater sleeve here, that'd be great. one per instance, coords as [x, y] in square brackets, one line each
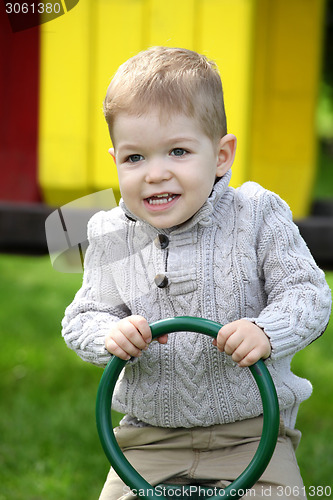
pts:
[298, 297]
[96, 306]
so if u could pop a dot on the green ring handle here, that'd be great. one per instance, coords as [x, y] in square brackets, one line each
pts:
[271, 415]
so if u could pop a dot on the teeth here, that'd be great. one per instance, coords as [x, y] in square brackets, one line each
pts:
[162, 199]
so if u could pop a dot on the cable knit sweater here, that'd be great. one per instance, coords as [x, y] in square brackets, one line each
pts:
[239, 256]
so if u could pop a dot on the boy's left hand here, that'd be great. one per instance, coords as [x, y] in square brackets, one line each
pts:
[244, 341]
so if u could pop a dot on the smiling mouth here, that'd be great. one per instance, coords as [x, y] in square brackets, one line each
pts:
[161, 199]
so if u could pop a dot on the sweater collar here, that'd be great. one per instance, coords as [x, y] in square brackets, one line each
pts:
[202, 217]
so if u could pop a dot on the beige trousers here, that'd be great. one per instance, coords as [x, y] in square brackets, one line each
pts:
[213, 456]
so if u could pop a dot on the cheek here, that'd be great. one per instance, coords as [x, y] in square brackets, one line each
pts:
[202, 181]
[126, 184]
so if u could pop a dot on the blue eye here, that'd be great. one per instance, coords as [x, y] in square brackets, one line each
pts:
[134, 158]
[178, 152]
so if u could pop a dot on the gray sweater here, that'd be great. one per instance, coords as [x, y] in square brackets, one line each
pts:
[239, 256]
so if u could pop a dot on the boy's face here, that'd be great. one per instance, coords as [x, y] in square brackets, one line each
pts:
[167, 168]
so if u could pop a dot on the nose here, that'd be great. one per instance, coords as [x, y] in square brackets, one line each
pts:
[157, 171]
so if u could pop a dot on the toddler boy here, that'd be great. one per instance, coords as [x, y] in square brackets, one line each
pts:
[182, 242]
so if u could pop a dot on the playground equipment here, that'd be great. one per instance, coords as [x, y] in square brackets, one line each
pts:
[269, 55]
[125, 470]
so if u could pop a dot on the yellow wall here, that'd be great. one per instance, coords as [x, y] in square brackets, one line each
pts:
[287, 67]
[257, 45]
[65, 137]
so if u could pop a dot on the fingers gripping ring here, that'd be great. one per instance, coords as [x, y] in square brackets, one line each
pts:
[125, 470]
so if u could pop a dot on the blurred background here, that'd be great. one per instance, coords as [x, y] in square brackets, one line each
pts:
[275, 59]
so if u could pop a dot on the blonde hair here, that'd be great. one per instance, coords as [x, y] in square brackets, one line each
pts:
[172, 80]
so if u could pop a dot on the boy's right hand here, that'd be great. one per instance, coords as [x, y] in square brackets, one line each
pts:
[129, 337]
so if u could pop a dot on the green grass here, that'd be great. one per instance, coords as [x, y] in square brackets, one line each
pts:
[323, 186]
[49, 448]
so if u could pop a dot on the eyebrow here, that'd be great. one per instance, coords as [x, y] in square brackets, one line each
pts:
[127, 146]
[172, 140]
[182, 139]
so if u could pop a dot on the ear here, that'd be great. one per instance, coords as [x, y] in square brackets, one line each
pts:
[112, 153]
[225, 154]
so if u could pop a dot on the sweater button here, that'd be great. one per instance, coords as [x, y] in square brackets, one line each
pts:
[161, 280]
[161, 241]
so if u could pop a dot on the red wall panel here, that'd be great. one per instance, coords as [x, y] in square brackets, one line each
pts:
[19, 103]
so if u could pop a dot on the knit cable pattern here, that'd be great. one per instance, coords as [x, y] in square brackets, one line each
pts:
[239, 256]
